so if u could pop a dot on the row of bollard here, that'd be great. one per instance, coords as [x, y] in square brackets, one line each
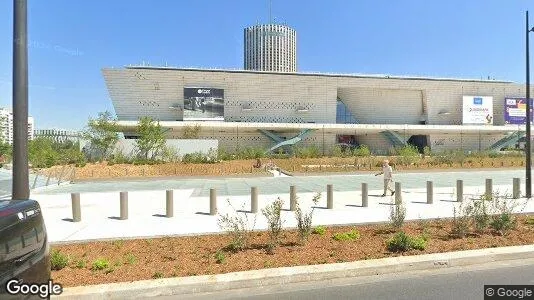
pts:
[169, 203]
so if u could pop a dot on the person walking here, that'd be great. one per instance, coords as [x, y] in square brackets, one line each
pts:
[387, 170]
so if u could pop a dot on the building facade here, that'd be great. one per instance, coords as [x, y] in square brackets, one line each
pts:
[6, 126]
[270, 47]
[266, 109]
[58, 135]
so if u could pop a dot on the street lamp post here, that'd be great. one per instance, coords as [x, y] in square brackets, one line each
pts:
[20, 187]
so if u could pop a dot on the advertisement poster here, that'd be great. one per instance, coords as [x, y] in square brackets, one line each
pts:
[477, 110]
[201, 103]
[515, 111]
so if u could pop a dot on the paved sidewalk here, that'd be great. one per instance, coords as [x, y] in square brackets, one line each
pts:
[146, 210]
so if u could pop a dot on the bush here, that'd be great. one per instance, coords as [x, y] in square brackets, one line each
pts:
[307, 152]
[408, 154]
[401, 242]
[58, 260]
[426, 151]
[220, 258]
[320, 230]
[130, 259]
[251, 153]
[304, 220]
[397, 214]
[347, 236]
[157, 275]
[362, 150]
[461, 219]
[481, 217]
[238, 228]
[503, 221]
[100, 264]
[199, 158]
[81, 264]
[274, 221]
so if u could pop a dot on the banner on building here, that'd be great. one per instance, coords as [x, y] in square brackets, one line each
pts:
[515, 111]
[477, 110]
[202, 103]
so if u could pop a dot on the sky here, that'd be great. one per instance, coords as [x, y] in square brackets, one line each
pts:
[70, 41]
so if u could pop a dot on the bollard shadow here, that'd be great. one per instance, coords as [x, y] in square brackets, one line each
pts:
[353, 205]
[379, 196]
[446, 200]
[114, 218]
[244, 211]
[386, 203]
[320, 207]
[422, 202]
[286, 209]
[68, 220]
[202, 213]
[159, 215]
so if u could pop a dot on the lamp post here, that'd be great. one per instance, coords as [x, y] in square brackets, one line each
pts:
[21, 188]
[527, 144]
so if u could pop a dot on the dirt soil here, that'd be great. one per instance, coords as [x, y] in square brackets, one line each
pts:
[132, 260]
[293, 165]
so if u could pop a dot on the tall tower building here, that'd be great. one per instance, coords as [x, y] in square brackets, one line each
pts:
[270, 47]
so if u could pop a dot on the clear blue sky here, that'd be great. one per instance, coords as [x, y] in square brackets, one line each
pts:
[71, 40]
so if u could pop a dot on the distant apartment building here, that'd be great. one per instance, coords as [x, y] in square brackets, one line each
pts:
[6, 125]
[58, 135]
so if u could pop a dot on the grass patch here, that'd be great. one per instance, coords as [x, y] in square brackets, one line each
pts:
[58, 260]
[402, 242]
[100, 264]
[320, 230]
[347, 236]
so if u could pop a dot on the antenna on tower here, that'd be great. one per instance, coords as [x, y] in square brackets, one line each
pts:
[270, 11]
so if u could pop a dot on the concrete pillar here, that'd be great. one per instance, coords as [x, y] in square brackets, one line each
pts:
[459, 190]
[213, 202]
[254, 199]
[365, 196]
[398, 193]
[169, 204]
[489, 189]
[329, 196]
[292, 198]
[124, 205]
[517, 188]
[429, 192]
[76, 208]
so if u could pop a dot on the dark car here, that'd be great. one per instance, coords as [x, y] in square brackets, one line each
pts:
[24, 249]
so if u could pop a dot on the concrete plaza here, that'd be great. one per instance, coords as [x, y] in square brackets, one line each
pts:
[100, 202]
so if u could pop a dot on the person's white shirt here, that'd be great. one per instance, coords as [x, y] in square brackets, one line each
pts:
[387, 170]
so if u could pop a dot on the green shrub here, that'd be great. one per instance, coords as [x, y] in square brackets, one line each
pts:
[400, 242]
[418, 243]
[238, 226]
[220, 258]
[347, 236]
[273, 214]
[100, 264]
[362, 150]
[81, 264]
[130, 259]
[304, 220]
[58, 260]
[426, 151]
[481, 217]
[157, 275]
[320, 230]
[503, 221]
[530, 221]
[307, 152]
[461, 219]
[397, 214]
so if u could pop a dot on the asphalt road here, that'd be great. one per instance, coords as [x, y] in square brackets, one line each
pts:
[449, 283]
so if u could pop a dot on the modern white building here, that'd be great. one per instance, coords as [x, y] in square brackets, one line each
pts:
[270, 47]
[6, 125]
[278, 110]
[58, 135]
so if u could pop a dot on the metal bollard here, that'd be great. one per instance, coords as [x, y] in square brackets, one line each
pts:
[76, 209]
[429, 192]
[489, 189]
[398, 193]
[213, 202]
[329, 196]
[253, 199]
[459, 190]
[517, 188]
[292, 198]
[169, 204]
[124, 205]
[365, 195]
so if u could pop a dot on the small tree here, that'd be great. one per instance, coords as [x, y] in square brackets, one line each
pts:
[102, 133]
[273, 214]
[5, 148]
[151, 140]
[304, 219]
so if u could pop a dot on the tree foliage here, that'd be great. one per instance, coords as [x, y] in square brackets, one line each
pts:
[44, 152]
[151, 140]
[102, 133]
